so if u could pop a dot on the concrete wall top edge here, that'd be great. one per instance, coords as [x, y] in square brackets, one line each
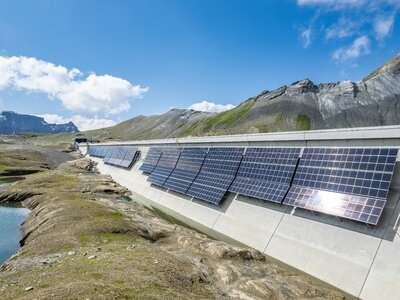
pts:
[389, 135]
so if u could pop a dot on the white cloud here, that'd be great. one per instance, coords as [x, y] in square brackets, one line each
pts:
[383, 26]
[94, 93]
[371, 20]
[360, 46]
[211, 107]
[342, 29]
[81, 122]
[305, 37]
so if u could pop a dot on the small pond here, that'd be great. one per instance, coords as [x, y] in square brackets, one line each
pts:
[11, 217]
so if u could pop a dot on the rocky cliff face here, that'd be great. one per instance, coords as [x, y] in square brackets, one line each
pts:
[11, 123]
[370, 102]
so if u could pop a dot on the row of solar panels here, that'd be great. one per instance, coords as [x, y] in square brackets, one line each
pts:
[123, 157]
[351, 183]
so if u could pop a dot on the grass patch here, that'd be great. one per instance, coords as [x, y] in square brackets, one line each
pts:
[191, 128]
[302, 122]
[228, 117]
[119, 281]
[278, 124]
[111, 236]
[263, 128]
[117, 215]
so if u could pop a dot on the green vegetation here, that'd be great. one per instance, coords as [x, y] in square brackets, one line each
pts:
[228, 117]
[302, 122]
[215, 123]
[117, 215]
[278, 124]
[119, 281]
[190, 129]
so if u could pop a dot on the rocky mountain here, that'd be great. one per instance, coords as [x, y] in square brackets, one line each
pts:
[166, 125]
[303, 105]
[11, 123]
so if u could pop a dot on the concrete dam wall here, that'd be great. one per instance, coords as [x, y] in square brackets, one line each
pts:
[359, 259]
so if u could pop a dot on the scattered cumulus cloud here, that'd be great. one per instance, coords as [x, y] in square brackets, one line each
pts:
[360, 46]
[361, 23]
[77, 92]
[211, 107]
[83, 123]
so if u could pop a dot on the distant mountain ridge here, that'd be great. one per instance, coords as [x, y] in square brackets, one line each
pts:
[303, 105]
[12, 123]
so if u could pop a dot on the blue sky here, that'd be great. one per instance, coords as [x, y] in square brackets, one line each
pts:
[101, 62]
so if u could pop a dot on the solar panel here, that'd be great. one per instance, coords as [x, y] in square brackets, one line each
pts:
[130, 158]
[91, 151]
[104, 151]
[108, 152]
[351, 183]
[111, 155]
[120, 156]
[97, 151]
[186, 169]
[151, 160]
[266, 173]
[216, 175]
[165, 166]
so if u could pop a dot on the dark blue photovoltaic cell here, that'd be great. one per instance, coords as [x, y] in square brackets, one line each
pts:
[113, 157]
[122, 156]
[151, 160]
[186, 169]
[351, 183]
[98, 151]
[264, 190]
[132, 155]
[216, 175]
[165, 166]
[266, 173]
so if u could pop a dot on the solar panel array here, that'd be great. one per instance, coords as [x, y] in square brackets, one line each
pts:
[216, 175]
[186, 169]
[122, 156]
[266, 173]
[352, 183]
[151, 160]
[165, 166]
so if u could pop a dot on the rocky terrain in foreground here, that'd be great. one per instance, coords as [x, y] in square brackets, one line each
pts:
[86, 239]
